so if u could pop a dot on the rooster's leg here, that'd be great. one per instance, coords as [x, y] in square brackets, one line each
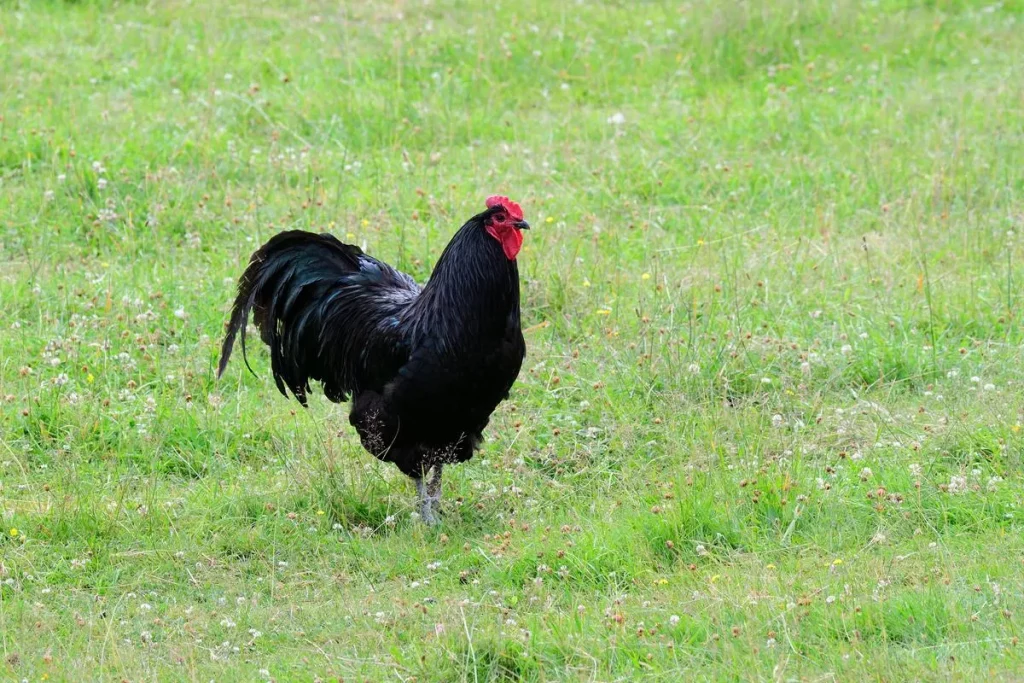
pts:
[434, 487]
[425, 502]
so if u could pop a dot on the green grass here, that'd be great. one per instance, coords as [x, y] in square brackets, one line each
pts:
[769, 423]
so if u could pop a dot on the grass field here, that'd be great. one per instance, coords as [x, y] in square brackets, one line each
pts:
[769, 425]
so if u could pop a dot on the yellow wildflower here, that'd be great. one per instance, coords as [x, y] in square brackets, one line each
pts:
[549, 219]
[14, 532]
[645, 276]
[769, 566]
[603, 311]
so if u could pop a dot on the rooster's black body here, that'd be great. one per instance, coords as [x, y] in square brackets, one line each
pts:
[423, 367]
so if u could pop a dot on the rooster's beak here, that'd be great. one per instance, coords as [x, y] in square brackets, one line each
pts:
[522, 225]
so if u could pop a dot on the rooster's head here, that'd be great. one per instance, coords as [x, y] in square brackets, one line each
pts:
[504, 222]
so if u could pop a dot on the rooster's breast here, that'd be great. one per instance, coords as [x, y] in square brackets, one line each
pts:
[457, 393]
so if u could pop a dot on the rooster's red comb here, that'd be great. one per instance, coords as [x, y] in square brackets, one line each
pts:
[513, 209]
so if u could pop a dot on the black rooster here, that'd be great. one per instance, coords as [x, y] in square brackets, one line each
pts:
[425, 367]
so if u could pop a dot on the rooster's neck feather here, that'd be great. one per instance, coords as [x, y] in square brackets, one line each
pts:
[473, 288]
